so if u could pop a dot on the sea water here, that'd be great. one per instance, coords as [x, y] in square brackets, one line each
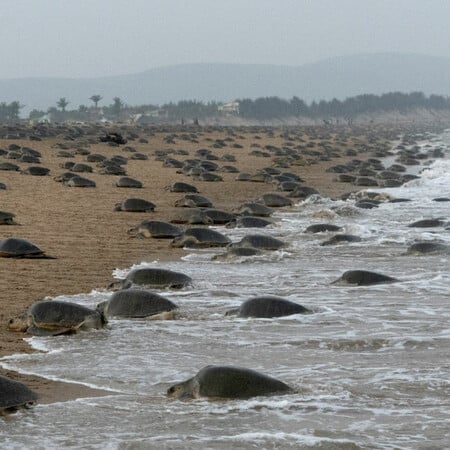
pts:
[370, 366]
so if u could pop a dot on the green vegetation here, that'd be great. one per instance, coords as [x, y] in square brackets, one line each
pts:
[263, 108]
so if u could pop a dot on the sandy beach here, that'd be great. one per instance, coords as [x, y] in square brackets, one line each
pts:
[79, 227]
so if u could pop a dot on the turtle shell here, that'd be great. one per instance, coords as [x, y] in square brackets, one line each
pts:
[18, 248]
[14, 394]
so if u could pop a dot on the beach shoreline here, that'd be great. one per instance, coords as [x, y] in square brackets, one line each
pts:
[89, 239]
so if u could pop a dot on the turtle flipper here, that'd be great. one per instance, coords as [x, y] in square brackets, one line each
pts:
[38, 331]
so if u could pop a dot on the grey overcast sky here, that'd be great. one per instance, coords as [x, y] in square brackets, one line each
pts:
[89, 38]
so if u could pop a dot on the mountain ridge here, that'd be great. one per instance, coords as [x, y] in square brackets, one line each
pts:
[337, 77]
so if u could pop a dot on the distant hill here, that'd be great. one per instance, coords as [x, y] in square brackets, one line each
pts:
[332, 78]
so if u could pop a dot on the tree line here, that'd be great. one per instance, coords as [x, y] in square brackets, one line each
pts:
[262, 108]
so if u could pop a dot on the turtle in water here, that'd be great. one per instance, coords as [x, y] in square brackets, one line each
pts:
[135, 205]
[14, 395]
[201, 238]
[7, 218]
[53, 318]
[21, 248]
[322, 228]
[268, 306]
[237, 252]
[260, 241]
[427, 248]
[137, 303]
[153, 277]
[363, 278]
[155, 229]
[428, 223]
[227, 382]
[338, 238]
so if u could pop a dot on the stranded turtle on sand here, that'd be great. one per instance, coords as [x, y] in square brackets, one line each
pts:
[268, 306]
[20, 248]
[153, 277]
[137, 303]
[14, 395]
[363, 278]
[7, 218]
[155, 229]
[127, 182]
[193, 201]
[53, 318]
[227, 382]
[201, 238]
[135, 205]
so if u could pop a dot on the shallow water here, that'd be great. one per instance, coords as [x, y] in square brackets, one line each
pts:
[370, 367]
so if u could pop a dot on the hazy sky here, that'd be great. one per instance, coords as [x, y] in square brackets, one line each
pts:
[88, 38]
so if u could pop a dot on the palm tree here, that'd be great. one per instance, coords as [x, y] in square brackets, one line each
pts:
[96, 98]
[117, 106]
[62, 103]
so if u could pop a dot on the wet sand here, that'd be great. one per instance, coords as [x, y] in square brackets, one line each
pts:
[89, 239]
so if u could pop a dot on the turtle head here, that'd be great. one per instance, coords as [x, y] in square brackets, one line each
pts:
[19, 323]
[180, 391]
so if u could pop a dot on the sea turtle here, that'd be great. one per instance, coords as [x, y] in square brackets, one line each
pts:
[268, 306]
[14, 395]
[248, 222]
[254, 209]
[7, 218]
[422, 248]
[237, 252]
[137, 303]
[192, 216]
[193, 201]
[153, 277]
[275, 200]
[338, 238]
[322, 227]
[363, 278]
[135, 205]
[20, 248]
[218, 216]
[427, 223]
[155, 229]
[127, 182]
[82, 182]
[208, 176]
[52, 318]
[201, 238]
[179, 186]
[80, 167]
[36, 171]
[260, 241]
[227, 382]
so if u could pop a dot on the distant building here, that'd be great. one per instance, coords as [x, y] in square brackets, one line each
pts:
[153, 116]
[229, 109]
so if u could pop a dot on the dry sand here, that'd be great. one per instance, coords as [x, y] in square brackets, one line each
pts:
[89, 239]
